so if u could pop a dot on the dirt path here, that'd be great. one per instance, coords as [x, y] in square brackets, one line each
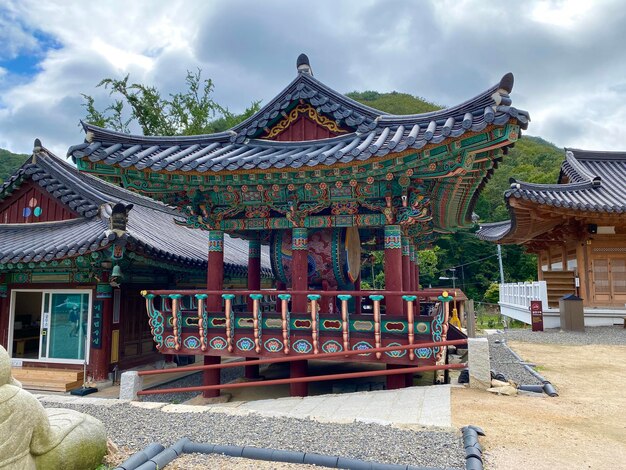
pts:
[584, 428]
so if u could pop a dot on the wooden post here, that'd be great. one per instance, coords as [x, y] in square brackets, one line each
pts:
[549, 252]
[345, 324]
[377, 340]
[314, 298]
[410, 322]
[215, 270]
[471, 319]
[564, 257]
[254, 267]
[298, 369]
[211, 376]
[101, 332]
[284, 314]
[228, 313]
[540, 266]
[215, 281]
[393, 268]
[299, 265]
[256, 321]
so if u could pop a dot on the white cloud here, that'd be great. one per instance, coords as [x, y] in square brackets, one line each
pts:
[566, 56]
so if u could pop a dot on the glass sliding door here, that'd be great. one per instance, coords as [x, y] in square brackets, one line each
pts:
[65, 325]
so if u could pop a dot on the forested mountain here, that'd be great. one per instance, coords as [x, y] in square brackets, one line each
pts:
[9, 162]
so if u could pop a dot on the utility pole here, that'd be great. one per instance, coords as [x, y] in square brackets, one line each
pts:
[500, 262]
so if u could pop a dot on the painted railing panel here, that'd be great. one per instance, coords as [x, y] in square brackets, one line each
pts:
[181, 324]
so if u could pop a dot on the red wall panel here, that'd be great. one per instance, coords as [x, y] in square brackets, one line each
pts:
[31, 204]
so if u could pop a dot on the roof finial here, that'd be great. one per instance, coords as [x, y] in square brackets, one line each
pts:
[303, 64]
[37, 146]
[506, 82]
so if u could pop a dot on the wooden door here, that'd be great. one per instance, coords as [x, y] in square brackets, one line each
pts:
[135, 336]
[609, 281]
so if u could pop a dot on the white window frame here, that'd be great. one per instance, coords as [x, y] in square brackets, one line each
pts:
[89, 292]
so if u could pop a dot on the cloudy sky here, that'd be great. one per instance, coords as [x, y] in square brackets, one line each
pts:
[567, 56]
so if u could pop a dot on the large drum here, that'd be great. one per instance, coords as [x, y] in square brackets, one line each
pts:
[334, 256]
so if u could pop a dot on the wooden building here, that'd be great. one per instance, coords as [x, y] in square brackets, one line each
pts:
[75, 252]
[320, 179]
[577, 228]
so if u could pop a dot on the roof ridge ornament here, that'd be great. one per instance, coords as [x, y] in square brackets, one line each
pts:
[303, 65]
[501, 95]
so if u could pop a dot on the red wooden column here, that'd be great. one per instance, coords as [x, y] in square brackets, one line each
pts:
[251, 371]
[101, 331]
[393, 268]
[4, 314]
[406, 264]
[299, 264]
[215, 281]
[412, 270]
[415, 278]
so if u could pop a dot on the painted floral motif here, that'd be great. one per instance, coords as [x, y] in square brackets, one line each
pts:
[423, 353]
[362, 345]
[170, 342]
[218, 343]
[191, 342]
[395, 353]
[245, 344]
[302, 346]
[332, 346]
[273, 345]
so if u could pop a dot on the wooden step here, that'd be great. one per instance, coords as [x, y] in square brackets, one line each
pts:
[46, 379]
[42, 374]
[51, 386]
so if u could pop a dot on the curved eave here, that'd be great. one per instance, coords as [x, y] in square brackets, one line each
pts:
[50, 241]
[259, 154]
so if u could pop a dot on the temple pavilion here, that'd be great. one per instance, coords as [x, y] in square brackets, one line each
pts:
[577, 229]
[320, 179]
[75, 251]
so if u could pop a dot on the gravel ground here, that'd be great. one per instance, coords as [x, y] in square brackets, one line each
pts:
[136, 427]
[610, 335]
[506, 363]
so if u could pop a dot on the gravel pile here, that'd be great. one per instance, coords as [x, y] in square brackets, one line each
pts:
[611, 335]
[504, 362]
[136, 427]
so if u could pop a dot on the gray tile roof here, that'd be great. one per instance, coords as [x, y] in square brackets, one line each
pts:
[590, 181]
[151, 229]
[376, 134]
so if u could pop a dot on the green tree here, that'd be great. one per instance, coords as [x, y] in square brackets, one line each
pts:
[492, 294]
[191, 112]
[9, 162]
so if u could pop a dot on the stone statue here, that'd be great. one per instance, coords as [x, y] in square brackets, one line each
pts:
[32, 437]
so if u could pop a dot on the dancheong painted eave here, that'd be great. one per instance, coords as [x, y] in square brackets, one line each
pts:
[372, 134]
[590, 183]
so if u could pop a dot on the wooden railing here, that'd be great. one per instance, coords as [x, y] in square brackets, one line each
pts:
[183, 323]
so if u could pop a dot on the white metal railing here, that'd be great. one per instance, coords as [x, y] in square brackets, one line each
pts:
[520, 294]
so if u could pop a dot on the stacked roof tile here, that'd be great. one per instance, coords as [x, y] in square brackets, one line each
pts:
[375, 134]
[589, 181]
[151, 229]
